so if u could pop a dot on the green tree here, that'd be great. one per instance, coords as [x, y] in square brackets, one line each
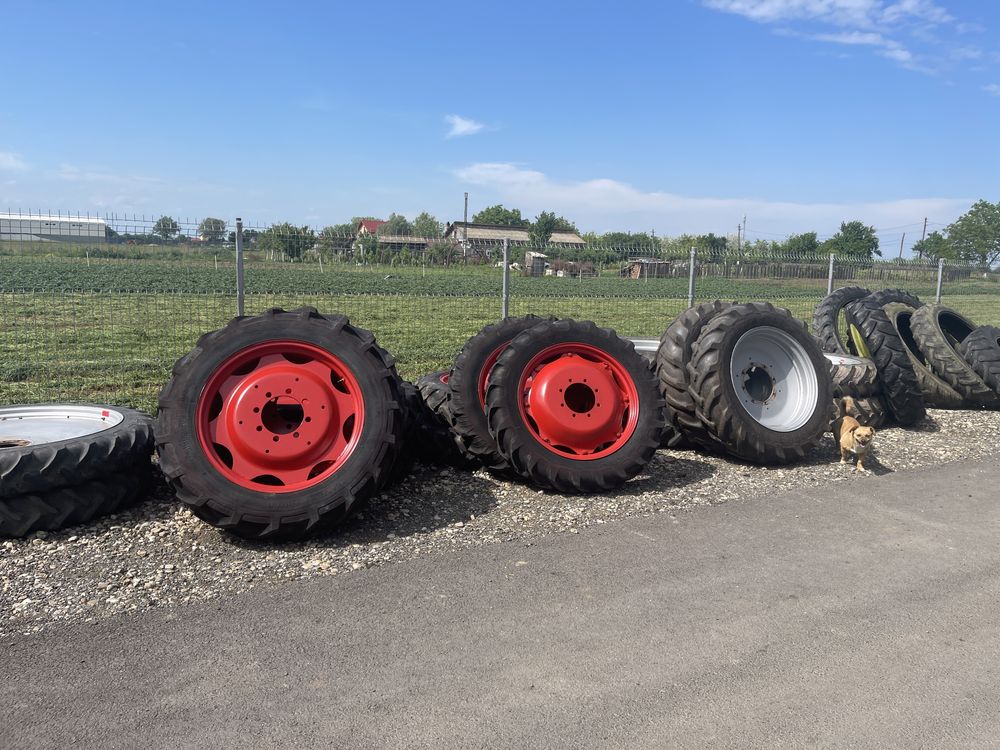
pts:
[710, 246]
[165, 227]
[975, 235]
[854, 240]
[287, 238]
[544, 225]
[800, 244]
[934, 246]
[336, 239]
[396, 226]
[505, 217]
[212, 230]
[426, 225]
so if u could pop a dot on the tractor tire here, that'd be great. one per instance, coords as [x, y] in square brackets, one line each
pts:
[826, 319]
[939, 331]
[900, 387]
[71, 506]
[45, 446]
[870, 412]
[411, 406]
[437, 443]
[936, 392]
[573, 407]
[761, 383]
[981, 349]
[852, 376]
[467, 384]
[676, 343]
[885, 297]
[323, 386]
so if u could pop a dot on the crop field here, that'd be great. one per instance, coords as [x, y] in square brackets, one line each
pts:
[110, 330]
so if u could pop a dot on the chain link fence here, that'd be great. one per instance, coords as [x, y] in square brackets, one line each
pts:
[99, 310]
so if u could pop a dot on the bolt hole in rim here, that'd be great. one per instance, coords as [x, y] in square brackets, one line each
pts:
[21, 426]
[280, 416]
[774, 379]
[578, 401]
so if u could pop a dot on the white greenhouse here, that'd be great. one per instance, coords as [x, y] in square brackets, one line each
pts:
[48, 228]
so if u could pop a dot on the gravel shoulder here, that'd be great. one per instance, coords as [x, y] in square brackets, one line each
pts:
[158, 555]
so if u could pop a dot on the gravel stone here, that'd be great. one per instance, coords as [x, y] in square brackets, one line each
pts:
[157, 554]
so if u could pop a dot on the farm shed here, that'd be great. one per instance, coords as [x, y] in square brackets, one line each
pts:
[483, 234]
[48, 228]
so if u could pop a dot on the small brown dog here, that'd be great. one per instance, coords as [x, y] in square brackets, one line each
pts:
[851, 437]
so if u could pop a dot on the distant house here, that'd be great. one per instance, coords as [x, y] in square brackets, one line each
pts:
[369, 226]
[495, 234]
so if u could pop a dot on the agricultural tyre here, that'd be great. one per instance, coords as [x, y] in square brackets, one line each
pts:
[939, 331]
[467, 384]
[761, 383]
[60, 507]
[281, 424]
[885, 297]
[826, 319]
[46, 446]
[981, 349]
[406, 458]
[852, 376]
[935, 391]
[437, 443]
[900, 387]
[573, 407]
[683, 425]
[870, 411]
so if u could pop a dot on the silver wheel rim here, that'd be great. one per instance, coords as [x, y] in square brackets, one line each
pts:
[26, 426]
[774, 379]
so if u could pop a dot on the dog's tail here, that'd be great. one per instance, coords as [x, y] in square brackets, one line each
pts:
[847, 407]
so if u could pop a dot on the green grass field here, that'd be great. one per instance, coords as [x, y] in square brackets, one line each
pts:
[116, 337]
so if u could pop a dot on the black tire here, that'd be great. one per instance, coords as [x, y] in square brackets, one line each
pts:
[885, 297]
[437, 443]
[936, 392]
[41, 467]
[939, 332]
[466, 407]
[826, 319]
[900, 387]
[852, 376]
[672, 357]
[406, 458]
[720, 407]
[554, 468]
[870, 412]
[981, 349]
[71, 506]
[257, 513]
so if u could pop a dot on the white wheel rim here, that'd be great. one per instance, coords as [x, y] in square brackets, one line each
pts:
[25, 426]
[774, 379]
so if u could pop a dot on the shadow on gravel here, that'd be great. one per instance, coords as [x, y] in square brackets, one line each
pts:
[927, 424]
[667, 472]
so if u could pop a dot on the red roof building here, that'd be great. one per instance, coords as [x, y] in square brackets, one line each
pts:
[369, 226]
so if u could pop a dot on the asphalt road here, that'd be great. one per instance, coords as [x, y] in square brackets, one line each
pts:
[868, 617]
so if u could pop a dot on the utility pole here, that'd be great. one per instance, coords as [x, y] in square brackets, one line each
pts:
[465, 232]
[901, 245]
[923, 236]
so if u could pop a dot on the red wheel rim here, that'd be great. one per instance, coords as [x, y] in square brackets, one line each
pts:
[280, 416]
[484, 373]
[578, 401]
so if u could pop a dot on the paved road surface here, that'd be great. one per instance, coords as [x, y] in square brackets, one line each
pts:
[864, 618]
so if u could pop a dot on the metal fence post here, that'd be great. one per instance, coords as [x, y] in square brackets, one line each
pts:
[937, 296]
[829, 278]
[505, 291]
[240, 289]
[691, 278]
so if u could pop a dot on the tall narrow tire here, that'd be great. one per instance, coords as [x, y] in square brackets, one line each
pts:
[981, 349]
[900, 387]
[939, 331]
[281, 424]
[672, 357]
[936, 392]
[45, 446]
[411, 407]
[467, 384]
[884, 297]
[761, 383]
[573, 407]
[71, 506]
[852, 376]
[437, 443]
[826, 319]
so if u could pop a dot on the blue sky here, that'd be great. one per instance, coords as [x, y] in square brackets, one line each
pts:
[674, 116]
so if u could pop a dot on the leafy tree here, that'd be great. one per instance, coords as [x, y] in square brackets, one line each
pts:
[287, 238]
[854, 240]
[800, 244]
[544, 225]
[975, 235]
[505, 217]
[442, 251]
[396, 225]
[426, 225]
[711, 246]
[165, 227]
[212, 230]
[336, 239]
[934, 246]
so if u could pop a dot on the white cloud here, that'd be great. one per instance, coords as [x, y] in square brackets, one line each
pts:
[605, 204]
[11, 161]
[992, 89]
[462, 126]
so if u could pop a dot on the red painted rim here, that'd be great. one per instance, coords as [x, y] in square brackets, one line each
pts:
[578, 401]
[280, 416]
[484, 373]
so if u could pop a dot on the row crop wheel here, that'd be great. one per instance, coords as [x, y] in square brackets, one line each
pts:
[935, 391]
[827, 320]
[573, 407]
[280, 424]
[981, 349]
